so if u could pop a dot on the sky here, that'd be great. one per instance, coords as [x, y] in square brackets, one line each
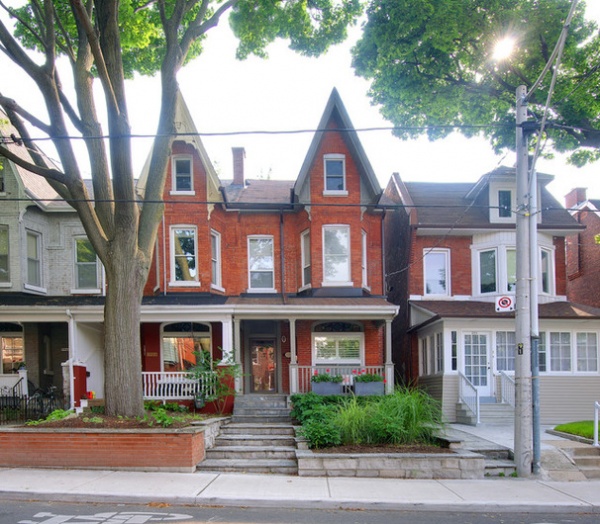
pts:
[289, 92]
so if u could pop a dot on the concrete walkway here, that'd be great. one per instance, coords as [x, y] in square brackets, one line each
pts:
[498, 494]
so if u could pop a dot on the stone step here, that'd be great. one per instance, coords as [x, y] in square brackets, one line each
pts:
[257, 429]
[278, 467]
[251, 452]
[255, 440]
[499, 468]
[273, 412]
[257, 401]
[256, 419]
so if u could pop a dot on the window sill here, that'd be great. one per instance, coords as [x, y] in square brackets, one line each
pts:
[337, 284]
[335, 193]
[304, 288]
[182, 193]
[5, 284]
[35, 289]
[184, 284]
[261, 290]
[217, 288]
[92, 291]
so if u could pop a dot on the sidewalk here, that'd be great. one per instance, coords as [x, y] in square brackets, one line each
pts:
[499, 494]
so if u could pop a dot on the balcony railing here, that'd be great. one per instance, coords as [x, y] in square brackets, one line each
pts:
[177, 385]
[468, 395]
[507, 388]
[347, 372]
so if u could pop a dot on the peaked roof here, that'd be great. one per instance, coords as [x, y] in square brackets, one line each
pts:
[189, 133]
[335, 110]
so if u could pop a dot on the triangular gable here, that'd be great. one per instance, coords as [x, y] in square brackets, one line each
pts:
[185, 125]
[369, 183]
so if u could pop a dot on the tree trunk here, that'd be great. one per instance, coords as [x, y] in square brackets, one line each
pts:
[123, 390]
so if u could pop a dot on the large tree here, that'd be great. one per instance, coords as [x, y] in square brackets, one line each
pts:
[109, 41]
[432, 67]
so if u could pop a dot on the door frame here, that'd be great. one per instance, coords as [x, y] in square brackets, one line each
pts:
[487, 390]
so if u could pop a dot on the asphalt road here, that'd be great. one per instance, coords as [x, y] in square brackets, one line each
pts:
[19, 512]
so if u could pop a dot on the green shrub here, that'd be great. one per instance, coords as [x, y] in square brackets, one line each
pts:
[304, 404]
[368, 377]
[326, 377]
[321, 433]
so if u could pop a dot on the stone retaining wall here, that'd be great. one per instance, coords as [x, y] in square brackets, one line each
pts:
[456, 464]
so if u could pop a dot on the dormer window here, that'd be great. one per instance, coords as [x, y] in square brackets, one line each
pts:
[181, 169]
[504, 203]
[335, 174]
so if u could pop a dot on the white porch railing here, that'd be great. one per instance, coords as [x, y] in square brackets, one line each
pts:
[468, 395]
[507, 389]
[347, 372]
[177, 385]
[596, 411]
[14, 385]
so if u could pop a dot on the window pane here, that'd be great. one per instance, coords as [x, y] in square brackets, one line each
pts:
[505, 350]
[511, 270]
[487, 271]
[183, 174]
[261, 279]
[334, 175]
[4, 266]
[33, 262]
[560, 351]
[545, 272]
[306, 273]
[435, 274]
[85, 264]
[336, 254]
[185, 254]
[587, 352]
[261, 263]
[504, 204]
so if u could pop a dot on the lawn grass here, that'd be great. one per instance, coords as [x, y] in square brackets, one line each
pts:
[581, 428]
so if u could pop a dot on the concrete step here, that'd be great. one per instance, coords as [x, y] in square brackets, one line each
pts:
[272, 412]
[261, 401]
[278, 467]
[257, 429]
[251, 452]
[255, 440]
[587, 460]
[256, 419]
[499, 468]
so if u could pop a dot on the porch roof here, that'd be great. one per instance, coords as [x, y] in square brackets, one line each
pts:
[439, 309]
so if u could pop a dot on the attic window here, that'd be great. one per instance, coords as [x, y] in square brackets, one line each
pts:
[335, 174]
[504, 203]
[181, 169]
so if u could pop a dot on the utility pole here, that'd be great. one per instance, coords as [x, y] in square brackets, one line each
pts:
[523, 396]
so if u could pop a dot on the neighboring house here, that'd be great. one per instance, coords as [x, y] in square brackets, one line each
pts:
[47, 270]
[583, 249]
[451, 253]
[284, 278]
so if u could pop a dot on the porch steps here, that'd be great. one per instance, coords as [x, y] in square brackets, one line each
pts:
[489, 413]
[587, 459]
[259, 439]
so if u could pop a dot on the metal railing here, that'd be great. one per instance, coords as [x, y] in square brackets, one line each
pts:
[177, 385]
[468, 395]
[596, 411]
[507, 389]
[347, 372]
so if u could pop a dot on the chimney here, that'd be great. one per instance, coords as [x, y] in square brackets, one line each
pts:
[575, 197]
[239, 153]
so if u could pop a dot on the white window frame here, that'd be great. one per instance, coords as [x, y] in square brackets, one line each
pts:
[495, 204]
[76, 265]
[271, 270]
[587, 358]
[551, 271]
[195, 282]
[216, 281]
[38, 286]
[446, 254]
[559, 359]
[364, 263]
[175, 190]
[439, 352]
[337, 337]
[478, 271]
[5, 230]
[306, 260]
[334, 157]
[507, 355]
[332, 282]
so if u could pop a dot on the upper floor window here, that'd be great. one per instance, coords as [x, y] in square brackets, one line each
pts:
[184, 256]
[502, 200]
[504, 203]
[86, 265]
[4, 258]
[215, 259]
[435, 266]
[182, 174]
[261, 263]
[306, 259]
[488, 277]
[511, 270]
[2, 188]
[336, 255]
[546, 274]
[34, 259]
[335, 174]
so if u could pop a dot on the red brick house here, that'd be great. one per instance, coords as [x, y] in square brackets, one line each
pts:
[583, 249]
[284, 278]
[450, 254]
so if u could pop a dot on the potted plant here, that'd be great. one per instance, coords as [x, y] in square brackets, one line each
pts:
[326, 384]
[368, 384]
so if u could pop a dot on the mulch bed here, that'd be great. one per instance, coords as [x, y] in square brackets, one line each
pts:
[100, 421]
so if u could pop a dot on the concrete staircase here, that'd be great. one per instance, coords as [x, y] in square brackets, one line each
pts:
[259, 439]
[489, 413]
[587, 460]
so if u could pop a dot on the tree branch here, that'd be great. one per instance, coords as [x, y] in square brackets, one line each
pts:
[10, 104]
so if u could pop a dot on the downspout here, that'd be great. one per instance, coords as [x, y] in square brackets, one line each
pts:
[164, 270]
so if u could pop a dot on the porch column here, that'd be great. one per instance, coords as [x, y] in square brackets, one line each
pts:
[227, 343]
[294, 358]
[237, 353]
[389, 365]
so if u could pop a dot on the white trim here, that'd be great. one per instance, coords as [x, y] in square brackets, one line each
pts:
[216, 276]
[364, 260]
[303, 256]
[39, 247]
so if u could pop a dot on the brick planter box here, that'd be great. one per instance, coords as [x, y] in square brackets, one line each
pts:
[178, 450]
